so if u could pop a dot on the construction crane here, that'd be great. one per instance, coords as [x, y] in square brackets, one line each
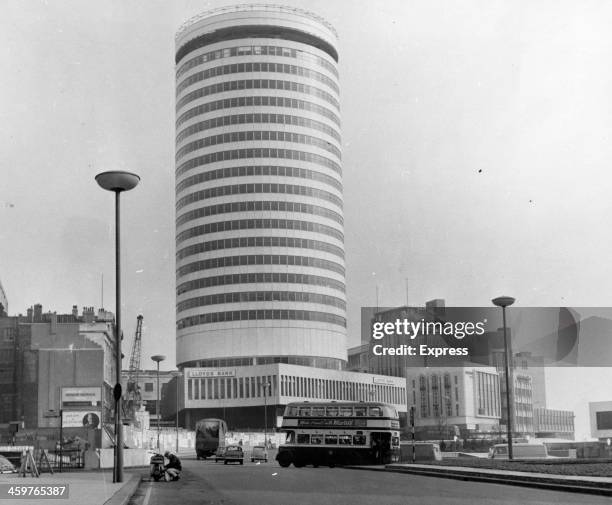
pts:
[133, 398]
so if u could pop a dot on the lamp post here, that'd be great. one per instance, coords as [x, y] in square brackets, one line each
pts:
[157, 358]
[117, 181]
[177, 375]
[266, 385]
[503, 302]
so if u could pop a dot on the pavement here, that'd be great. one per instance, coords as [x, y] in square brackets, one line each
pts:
[93, 488]
[570, 483]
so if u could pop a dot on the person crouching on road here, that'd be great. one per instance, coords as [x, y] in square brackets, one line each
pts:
[173, 468]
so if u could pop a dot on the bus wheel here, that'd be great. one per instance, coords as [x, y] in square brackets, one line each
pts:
[284, 459]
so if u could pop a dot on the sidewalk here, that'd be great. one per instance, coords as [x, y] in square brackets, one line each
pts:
[91, 488]
[572, 483]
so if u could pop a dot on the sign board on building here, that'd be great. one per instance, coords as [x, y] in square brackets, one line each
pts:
[81, 419]
[81, 396]
[383, 380]
[208, 372]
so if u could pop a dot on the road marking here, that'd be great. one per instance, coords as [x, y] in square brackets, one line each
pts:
[147, 496]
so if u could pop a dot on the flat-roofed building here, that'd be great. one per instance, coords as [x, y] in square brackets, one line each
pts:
[454, 401]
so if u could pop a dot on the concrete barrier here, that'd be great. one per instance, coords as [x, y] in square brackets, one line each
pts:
[131, 457]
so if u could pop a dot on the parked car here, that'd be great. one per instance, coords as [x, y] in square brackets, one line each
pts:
[423, 451]
[233, 453]
[219, 454]
[519, 451]
[259, 453]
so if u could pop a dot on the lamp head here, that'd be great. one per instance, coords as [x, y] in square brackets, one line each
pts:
[117, 180]
[503, 301]
[158, 357]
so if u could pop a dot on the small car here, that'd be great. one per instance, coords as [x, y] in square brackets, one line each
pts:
[233, 453]
[220, 454]
[520, 451]
[259, 453]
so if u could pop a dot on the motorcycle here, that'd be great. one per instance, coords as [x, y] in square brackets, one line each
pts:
[157, 467]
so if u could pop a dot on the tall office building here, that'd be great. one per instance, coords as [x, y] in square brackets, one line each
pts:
[259, 219]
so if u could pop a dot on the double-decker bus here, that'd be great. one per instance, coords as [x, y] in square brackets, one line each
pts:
[210, 435]
[333, 433]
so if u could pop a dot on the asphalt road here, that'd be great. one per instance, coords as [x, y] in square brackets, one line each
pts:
[209, 483]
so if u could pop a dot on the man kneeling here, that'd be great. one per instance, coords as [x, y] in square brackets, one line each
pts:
[173, 468]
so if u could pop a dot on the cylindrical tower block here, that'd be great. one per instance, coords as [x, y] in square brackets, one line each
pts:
[259, 220]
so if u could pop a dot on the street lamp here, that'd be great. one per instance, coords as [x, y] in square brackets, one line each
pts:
[503, 302]
[157, 358]
[266, 386]
[117, 181]
[177, 375]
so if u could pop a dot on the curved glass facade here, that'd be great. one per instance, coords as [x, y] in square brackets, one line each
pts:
[260, 252]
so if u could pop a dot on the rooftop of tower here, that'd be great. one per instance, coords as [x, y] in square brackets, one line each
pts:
[254, 7]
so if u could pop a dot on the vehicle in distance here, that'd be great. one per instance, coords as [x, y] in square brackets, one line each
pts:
[519, 451]
[210, 434]
[220, 454]
[233, 454]
[259, 453]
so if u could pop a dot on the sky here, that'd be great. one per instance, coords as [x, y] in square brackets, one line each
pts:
[476, 154]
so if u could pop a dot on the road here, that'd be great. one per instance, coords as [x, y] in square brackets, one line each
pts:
[209, 483]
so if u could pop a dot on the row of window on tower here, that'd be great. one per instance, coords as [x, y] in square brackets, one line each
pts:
[262, 152]
[260, 278]
[258, 187]
[258, 118]
[259, 224]
[260, 259]
[243, 84]
[258, 171]
[256, 101]
[261, 315]
[258, 50]
[259, 206]
[237, 68]
[238, 242]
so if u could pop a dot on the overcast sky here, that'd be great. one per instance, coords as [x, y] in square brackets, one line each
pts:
[476, 153]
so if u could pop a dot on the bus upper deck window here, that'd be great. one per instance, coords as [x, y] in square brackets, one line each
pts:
[291, 411]
[304, 412]
[375, 412]
[318, 411]
[361, 411]
[332, 411]
[346, 411]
